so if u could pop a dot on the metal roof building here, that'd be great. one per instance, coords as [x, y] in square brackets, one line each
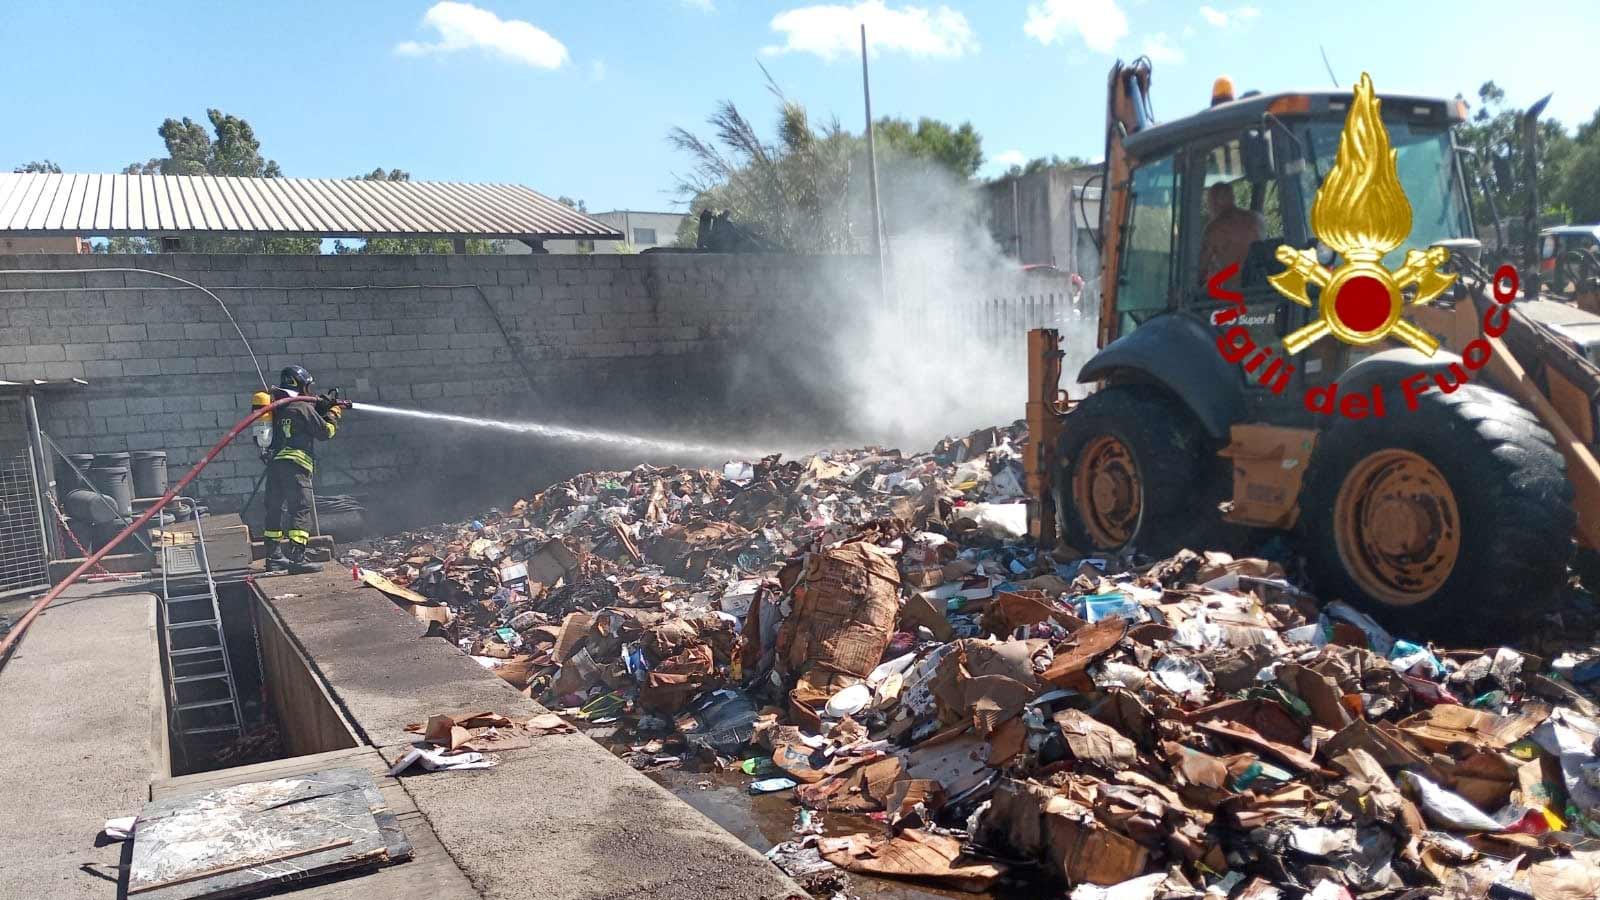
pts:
[45, 205]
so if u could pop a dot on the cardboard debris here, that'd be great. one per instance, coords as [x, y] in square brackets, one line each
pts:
[859, 633]
[486, 732]
[1441, 727]
[421, 607]
[913, 854]
[1093, 742]
[845, 606]
[864, 788]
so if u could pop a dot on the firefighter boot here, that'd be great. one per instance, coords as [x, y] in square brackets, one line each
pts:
[276, 561]
[297, 564]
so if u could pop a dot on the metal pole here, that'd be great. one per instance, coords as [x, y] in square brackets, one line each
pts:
[872, 177]
[43, 476]
[1016, 217]
[38, 501]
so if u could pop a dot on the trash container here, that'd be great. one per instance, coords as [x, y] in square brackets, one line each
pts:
[149, 473]
[64, 475]
[115, 482]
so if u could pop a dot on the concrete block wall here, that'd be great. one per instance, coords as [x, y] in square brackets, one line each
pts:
[658, 343]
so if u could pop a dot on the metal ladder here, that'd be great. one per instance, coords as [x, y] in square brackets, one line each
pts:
[202, 698]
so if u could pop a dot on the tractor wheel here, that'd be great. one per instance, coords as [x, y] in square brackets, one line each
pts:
[1454, 519]
[1586, 565]
[1126, 474]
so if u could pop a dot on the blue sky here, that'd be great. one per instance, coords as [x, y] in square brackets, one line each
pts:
[577, 97]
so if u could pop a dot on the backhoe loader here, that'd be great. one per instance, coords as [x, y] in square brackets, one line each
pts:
[1441, 482]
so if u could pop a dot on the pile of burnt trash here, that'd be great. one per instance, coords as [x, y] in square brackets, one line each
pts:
[873, 634]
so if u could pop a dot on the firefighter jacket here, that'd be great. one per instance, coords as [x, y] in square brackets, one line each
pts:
[296, 428]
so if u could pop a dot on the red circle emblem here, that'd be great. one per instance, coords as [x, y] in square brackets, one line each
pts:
[1362, 304]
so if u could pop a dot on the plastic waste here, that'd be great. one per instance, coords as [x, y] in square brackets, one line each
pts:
[1412, 659]
[1447, 809]
[1379, 639]
[1001, 520]
[1104, 606]
[771, 785]
[758, 765]
[1181, 675]
[850, 700]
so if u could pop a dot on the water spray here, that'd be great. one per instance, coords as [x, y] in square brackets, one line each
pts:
[576, 435]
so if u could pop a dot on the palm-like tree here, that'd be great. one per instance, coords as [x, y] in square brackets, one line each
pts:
[793, 192]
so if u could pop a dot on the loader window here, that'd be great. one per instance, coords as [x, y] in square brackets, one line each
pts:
[1145, 285]
[1425, 163]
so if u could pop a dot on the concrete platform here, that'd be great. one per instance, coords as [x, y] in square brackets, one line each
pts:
[562, 820]
[82, 731]
[82, 736]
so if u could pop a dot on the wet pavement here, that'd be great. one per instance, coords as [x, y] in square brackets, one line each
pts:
[762, 821]
[765, 820]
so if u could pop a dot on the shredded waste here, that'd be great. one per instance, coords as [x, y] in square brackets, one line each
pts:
[874, 635]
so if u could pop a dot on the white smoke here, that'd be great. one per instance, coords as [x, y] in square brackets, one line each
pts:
[945, 351]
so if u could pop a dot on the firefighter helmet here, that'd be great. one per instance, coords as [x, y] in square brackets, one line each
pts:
[295, 378]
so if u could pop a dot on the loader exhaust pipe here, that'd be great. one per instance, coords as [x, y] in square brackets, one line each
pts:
[1530, 141]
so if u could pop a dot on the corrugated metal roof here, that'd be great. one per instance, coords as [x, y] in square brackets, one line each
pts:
[38, 205]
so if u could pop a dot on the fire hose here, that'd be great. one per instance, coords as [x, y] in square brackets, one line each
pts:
[15, 634]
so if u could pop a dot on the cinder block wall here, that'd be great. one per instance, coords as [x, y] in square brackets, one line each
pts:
[658, 343]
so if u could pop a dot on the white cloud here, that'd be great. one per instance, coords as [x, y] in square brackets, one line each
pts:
[462, 26]
[1008, 158]
[1101, 23]
[702, 5]
[833, 31]
[1235, 18]
[1159, 48]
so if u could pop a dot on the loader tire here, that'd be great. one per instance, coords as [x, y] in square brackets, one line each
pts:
[1586, 565]
[1451, 520]
[1127, 473]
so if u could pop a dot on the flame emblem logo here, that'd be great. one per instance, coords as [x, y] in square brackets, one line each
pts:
[1362, 213]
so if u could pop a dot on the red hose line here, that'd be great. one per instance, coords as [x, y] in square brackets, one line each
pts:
[15, 634]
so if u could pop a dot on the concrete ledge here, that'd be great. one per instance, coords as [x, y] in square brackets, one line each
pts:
[562, 820]
[82, 736]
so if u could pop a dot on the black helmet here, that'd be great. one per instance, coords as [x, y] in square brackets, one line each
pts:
[295, 378]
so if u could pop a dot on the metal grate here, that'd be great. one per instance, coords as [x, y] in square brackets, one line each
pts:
[24, 565]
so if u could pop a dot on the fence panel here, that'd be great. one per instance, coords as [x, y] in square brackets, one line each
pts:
[24, 563]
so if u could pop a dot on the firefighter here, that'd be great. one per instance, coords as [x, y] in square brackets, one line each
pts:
[291, 458]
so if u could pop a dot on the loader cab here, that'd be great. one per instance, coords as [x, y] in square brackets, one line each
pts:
[1270, 153]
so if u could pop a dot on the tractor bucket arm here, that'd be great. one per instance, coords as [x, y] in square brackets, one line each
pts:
[1562, 388]
[1127, 111]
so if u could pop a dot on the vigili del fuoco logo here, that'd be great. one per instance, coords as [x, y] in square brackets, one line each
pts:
[1362, 213]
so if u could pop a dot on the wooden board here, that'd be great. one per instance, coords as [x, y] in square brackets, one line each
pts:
[430, 874]
[241, 839]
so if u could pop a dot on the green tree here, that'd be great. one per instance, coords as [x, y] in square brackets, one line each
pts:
[1495, 132]
[570, 203]
[958, 149]
[806, 190]
[792, 191]
[192, 151]
[1579, 185]
[409, 246]
[43, 166]
[1041, 163]
[230, 149]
